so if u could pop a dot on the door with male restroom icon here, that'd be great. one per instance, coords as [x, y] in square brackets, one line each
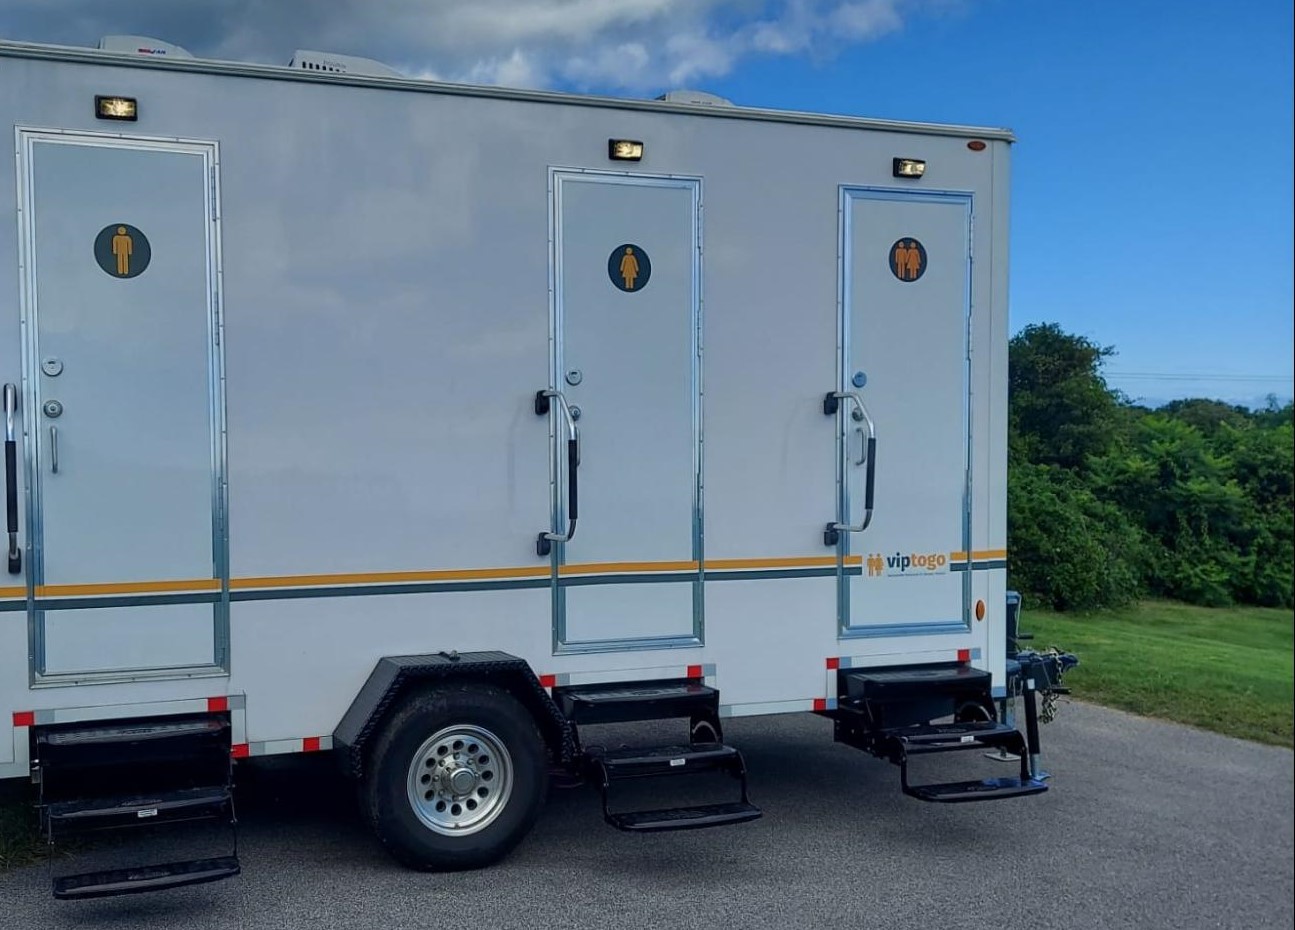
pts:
[123, 393]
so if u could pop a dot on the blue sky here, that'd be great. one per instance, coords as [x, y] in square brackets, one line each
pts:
[1152, 183]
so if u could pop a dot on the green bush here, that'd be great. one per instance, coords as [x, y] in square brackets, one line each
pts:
[1107, 500]
[1069, 550]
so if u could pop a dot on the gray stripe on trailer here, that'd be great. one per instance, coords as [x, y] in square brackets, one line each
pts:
[380, 590]
[125, 600]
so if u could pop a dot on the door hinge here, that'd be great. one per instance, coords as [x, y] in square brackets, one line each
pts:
[211, 187]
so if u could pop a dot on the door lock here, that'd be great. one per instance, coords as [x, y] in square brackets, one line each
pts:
[53, 409]
[52, 366]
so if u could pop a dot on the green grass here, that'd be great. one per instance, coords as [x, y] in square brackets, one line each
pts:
[1227, 670]
[20, 843]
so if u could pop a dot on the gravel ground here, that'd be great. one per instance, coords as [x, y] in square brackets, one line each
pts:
[1147, 824]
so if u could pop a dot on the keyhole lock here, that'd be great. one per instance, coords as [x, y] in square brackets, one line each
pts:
[52, 366]
[53, 409]
[575, 412]
[574, 377]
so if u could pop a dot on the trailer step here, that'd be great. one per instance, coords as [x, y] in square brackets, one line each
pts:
[160, 807]
[666, 761]
[165, 772]
[120, 758]
[145, 878]
[685, 818]
[987, 790]
[612, 703]
[639, 762]
[952, 737]
[136, 733]
[919, 682]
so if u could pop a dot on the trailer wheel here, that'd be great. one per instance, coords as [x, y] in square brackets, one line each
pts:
[974, 712]
[456, 779]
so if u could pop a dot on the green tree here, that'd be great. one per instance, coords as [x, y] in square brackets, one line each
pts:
[1061, 411]
[1107, 499]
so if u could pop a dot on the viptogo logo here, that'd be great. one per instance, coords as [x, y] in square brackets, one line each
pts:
[913, 563]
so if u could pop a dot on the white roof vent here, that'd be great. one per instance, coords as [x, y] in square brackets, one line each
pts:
[331, 62]
[146, 46]
[695, 97]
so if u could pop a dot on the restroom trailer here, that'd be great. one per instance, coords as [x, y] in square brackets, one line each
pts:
[427, 425]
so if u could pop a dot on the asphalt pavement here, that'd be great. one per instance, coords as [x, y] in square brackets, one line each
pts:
[1147, 824]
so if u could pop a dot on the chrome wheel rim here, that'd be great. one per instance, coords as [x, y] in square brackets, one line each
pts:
[460, 780]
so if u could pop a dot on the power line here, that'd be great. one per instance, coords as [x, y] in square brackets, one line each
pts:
[1196, 376]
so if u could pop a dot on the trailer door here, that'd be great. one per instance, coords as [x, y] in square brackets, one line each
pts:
[905, 319]
[123, 391]
[627, 358]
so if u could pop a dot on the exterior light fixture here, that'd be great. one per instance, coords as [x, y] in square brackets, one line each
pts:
[120, 108]
[908, 167]
[624, 149]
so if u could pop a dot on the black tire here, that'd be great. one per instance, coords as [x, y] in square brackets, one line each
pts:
[385, 799]
[975, 712]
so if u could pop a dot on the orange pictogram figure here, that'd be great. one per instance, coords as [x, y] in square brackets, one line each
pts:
[629, 268]
[876, 565]
[900, 262]
[913, 261]
[908, 259]
[123, 246]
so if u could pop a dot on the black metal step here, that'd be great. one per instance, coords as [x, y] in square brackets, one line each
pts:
[987, 790]
[161, 807]
[954, 737]
[915, 682]
[611, 703]
[174, 728]
[145, 878]
[685, 818]
[643, 761]
[133, 743]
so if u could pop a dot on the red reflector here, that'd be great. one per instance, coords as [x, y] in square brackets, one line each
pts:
[833, 662]
[820, 703]
[964, 655]
[548, 681]
[240, 750]
[694, 671]
[310, 744]
[976, 145]
[217, 704]
[24, 718]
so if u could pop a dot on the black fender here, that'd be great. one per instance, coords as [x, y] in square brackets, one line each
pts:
[395, 676]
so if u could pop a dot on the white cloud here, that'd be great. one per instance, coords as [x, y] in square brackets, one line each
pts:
[630, 45]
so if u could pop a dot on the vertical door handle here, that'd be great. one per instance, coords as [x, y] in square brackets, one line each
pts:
[11, 478]
[543, 405]
[831, 407]
[53, 449]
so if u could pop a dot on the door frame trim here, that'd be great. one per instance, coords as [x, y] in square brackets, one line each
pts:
[26, 138]
[848, 195]
[559, 176]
